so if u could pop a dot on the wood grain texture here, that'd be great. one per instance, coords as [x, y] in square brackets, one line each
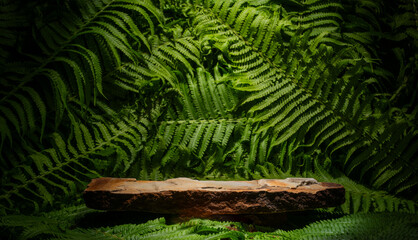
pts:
[194, 198]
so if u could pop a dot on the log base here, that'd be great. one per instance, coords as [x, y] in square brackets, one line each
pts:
[189, 198]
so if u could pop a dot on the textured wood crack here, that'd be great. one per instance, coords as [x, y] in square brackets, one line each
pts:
[194, 198]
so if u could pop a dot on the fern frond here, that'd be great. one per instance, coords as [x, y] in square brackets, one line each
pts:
[198, 122]
[67, 64]
[66, 165]
[362, 199]
[210, 89]
[398, 225]
[375, 226]
[13, 19]
[321, 102]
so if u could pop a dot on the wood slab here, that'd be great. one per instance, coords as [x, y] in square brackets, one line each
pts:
[194, 198]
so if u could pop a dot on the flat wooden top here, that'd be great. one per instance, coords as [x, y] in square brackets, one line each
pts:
[133, 186]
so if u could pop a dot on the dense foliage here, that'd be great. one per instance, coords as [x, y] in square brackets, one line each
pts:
[208, 89]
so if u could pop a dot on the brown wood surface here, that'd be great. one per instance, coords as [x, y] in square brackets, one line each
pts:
[189, 197]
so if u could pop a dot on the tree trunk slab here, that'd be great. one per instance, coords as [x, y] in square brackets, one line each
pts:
[193, 198]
